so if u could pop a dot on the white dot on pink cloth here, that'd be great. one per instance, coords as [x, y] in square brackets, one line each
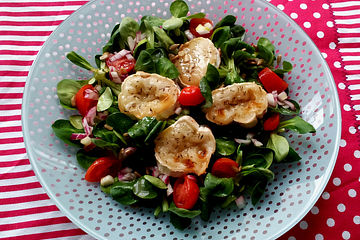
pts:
[293, 15]
[356, 220]
[307, 24]
[330, 222]
[336, 181]
[341, 207]
[342, 86]
[347, 167]
[346, 235]
[319, 236]
[315, 210]
[352, 193]
[320, 34]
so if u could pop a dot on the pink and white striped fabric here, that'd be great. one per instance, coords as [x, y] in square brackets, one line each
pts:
[26, 212]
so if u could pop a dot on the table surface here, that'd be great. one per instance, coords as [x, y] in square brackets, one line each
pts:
[26, 212]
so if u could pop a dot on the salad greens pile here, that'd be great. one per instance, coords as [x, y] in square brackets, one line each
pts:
[110, 132]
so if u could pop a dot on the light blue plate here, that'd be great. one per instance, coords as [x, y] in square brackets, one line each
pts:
[287, 199]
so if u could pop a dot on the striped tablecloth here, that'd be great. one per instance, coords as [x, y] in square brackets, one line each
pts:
[26, 212]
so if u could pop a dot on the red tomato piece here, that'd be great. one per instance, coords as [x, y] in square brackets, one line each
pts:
[191, 96]
[196, 22]
[271, 81]
[271, 123]
[186, 192]
[100, 168]
[122, 65]
[225, 168]
[84, 104]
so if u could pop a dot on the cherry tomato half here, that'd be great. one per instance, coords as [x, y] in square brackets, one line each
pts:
[271, 123]
[122, 65]
[196, 22]
[271, 81]
[84, 104]
[225, 168]
[186, 192]
[100, 168]
[191, 96]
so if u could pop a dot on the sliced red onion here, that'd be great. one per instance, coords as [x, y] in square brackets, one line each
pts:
[155, 171]
[250, 135]
[125, 170]
[98, 88]
[103, 115]
[90, 116]
[290, 104]
[240, 202]
[192, 177]
[119, 55]
[104, 56]
[281, 103]
[271, 100]
[78, 136]
[139, 37]
[112, 69]
[129, 57]
[87, 128]
[189, 35]
[115, 77]
[243, 141]
[169, 190]
[178, 110]
[282, 96]
[257, 143]
[127, 177]
[91, 94]
[165, 178]
[131, 43]
[123, 76]
[89, 147]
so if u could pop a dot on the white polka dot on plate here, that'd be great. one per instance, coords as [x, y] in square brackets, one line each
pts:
[341, 207]
[291, 238]
[352, 193]
[342, 143]
[332, 45]
[345, 235]
[330, 222]
[324, 55]
[356, 220]
[337, 181]
[357, 153]
[319, 236]
[303, 225]
[347, 167]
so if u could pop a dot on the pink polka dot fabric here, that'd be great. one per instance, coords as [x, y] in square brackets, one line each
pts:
[333, 26]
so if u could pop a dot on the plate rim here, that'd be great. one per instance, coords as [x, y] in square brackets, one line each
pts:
[291, 224]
